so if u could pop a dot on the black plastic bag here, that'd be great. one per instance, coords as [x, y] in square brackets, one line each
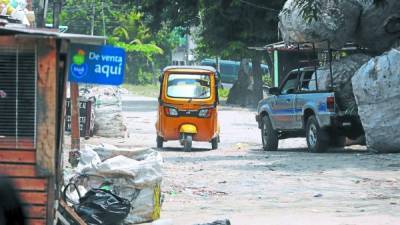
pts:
[101, 207]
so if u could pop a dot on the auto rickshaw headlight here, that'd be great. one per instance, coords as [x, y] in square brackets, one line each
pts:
[170, 111]
[204, 113]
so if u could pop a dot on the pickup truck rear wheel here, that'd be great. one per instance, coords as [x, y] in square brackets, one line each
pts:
[338, 141]
[317, 138]
[268, 135]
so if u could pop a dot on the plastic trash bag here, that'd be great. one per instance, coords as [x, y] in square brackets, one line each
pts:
[101, 207]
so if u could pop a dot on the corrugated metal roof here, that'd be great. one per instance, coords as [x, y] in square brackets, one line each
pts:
[76, 38]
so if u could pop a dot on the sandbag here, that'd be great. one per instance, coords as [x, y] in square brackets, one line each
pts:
[342, 72]
[376, 87]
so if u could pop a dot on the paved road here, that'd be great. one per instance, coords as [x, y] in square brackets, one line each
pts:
[242, 183]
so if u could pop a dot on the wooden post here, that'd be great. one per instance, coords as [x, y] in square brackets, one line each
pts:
[74, 154]
[75, 124]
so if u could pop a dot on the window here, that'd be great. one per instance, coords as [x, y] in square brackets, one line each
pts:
[17, 98]
[291, 84]
[188, 86]
[308, 82]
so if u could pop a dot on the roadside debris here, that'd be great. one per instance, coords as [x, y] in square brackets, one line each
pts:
[318, 196]
[342, 72]
[218, 222]
[17, 9]
[109, 121]
[363, 22]
[376, 88]
[100, 206]
[135, 176]
[334, 23]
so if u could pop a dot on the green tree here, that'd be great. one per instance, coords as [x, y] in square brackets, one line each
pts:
[227, 29]
[124, 25]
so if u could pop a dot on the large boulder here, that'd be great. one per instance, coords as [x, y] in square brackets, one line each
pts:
[376, 86]
[336, 22]
[342, 72]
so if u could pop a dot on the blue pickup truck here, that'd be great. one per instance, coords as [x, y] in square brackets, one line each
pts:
[298, 109]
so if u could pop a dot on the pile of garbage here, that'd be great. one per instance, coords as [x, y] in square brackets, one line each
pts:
[365, 85]
[364, 22]
[377, 91]
[109, 120]
[17, 10]
[342, 72]
[127, 177]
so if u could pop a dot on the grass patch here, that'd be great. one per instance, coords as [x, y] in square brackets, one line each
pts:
[148, 90]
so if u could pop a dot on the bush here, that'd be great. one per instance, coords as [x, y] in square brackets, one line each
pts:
[223, 93]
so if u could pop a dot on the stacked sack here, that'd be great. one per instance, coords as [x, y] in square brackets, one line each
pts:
[109, 120]
[132, 174]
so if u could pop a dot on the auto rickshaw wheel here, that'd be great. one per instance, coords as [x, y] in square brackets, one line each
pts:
[187, 143]
[214, 143]
[160, 142]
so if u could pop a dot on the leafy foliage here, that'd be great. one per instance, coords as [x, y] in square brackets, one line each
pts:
[122, 22]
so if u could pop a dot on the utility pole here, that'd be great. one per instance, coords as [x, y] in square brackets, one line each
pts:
[56, 13]
[41, 12]
[93, 15]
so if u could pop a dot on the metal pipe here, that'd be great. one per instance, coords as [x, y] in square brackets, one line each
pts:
[298, 65]
[330, 63]
[315, 67]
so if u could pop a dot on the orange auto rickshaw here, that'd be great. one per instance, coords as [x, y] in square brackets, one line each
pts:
[187, 108]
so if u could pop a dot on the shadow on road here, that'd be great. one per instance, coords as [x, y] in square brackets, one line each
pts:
[176, 149]
[329, 151]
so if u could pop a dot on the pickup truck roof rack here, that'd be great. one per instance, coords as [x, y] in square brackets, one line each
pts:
[316, 49]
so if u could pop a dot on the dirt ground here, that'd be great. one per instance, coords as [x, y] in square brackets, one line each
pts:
[248, 186]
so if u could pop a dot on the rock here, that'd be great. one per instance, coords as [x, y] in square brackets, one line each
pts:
[337, 22]
[376, 87]
[318, 196]
[218, 222]
[342, 72]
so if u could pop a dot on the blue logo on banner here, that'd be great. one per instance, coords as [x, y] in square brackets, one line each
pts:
[96, 64]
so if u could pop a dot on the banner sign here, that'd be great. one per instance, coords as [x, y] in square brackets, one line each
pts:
[96, 64]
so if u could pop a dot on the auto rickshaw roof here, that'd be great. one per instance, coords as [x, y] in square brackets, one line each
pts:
[193, 69]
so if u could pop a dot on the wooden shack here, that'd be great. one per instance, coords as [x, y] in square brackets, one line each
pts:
[33, 77]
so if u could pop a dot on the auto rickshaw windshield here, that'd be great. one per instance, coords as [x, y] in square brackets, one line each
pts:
[193, 86]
